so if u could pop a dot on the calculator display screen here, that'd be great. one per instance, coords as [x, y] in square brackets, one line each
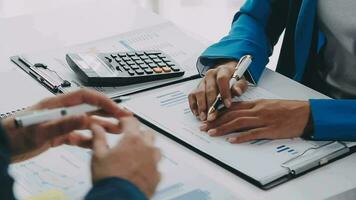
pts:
[89, 61]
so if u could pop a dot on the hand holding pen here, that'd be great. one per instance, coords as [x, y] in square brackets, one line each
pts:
[218, 82]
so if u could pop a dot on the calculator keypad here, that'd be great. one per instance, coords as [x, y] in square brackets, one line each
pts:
[123, 68]
[141, 63]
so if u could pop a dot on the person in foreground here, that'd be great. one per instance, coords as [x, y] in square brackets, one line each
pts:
[126, 171]
[318, 51]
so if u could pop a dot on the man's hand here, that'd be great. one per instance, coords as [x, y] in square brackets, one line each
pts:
[261, 119]
[216, 81]
[135, 158]
[30, 141]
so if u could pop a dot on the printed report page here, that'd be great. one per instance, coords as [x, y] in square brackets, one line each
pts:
[261, 160]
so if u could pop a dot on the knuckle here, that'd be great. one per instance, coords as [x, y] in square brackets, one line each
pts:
[85, 91]
[240, 122]
[200, 92]
[210, 72]
[221, 78]
[211, 92]
[191, 95]
[231, 115]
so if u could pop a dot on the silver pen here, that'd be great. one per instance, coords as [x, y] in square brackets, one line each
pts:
[240, 69]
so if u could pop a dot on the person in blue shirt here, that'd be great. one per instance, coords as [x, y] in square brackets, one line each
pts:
[318, 51]
[127, 171]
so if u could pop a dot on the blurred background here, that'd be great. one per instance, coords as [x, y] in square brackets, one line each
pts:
[210, 19]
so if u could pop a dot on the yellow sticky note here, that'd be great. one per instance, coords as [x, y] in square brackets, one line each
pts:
[52, 194]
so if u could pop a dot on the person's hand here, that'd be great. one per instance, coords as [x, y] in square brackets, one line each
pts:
[30, 141]
[216, 81]
[261, 119]
[134, 158]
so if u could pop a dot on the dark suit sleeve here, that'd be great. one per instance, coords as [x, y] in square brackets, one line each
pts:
[6, 181]
[115, 189]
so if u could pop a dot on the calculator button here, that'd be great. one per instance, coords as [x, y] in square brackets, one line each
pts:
[140, 62]
[118, 59]
[174, 68]
[166, 69]
[157, 60]
[140, 53]
[170, 64]
[108, 59]
[122, 54]
[148, 71]
[126, 67]
[152, 65]
[144, 66]
[113, 55]
[157, 70]
[148, 61]
[139, 71]
[165, 59]
[161, 56]
[161, 64]
[130, 62]
[131, 72]
[135, 67]
[122, 63]
[126, 58]
[135, 58]
[131, 54]
[144, 57]
[152, 52]
[152, 56]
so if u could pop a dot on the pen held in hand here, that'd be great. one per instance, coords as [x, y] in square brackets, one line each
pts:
[42, 116]
[240, 69]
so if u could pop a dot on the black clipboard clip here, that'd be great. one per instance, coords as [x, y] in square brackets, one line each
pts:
[35, 71]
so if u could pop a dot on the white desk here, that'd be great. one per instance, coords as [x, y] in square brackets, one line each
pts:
[94, 20]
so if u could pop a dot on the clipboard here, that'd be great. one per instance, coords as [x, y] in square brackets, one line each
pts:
[301, 168]
[290, 166]
[53, 86]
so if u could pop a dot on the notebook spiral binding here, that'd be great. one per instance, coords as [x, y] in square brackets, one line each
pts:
[10, 113]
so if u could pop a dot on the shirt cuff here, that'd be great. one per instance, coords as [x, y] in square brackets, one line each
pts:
[116, 189]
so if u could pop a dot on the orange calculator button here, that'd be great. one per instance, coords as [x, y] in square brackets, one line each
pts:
[166, 69]
[157, 70]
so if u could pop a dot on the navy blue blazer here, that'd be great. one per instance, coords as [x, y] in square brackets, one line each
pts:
[257, 27]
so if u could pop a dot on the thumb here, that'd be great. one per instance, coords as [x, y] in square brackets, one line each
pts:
[100, 145]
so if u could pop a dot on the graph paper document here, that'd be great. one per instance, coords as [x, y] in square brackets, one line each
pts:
[263, 161]
[64, 173]
[165, 37]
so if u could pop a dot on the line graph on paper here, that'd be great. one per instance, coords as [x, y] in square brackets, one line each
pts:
[64, 171]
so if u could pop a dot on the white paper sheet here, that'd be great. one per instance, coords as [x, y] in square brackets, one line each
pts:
[168, 108]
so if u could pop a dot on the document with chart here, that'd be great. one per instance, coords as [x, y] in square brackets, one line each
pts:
[67, 176]
[265, 163]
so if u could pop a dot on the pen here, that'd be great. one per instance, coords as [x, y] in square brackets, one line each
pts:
[240, 69]
[57, 113]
